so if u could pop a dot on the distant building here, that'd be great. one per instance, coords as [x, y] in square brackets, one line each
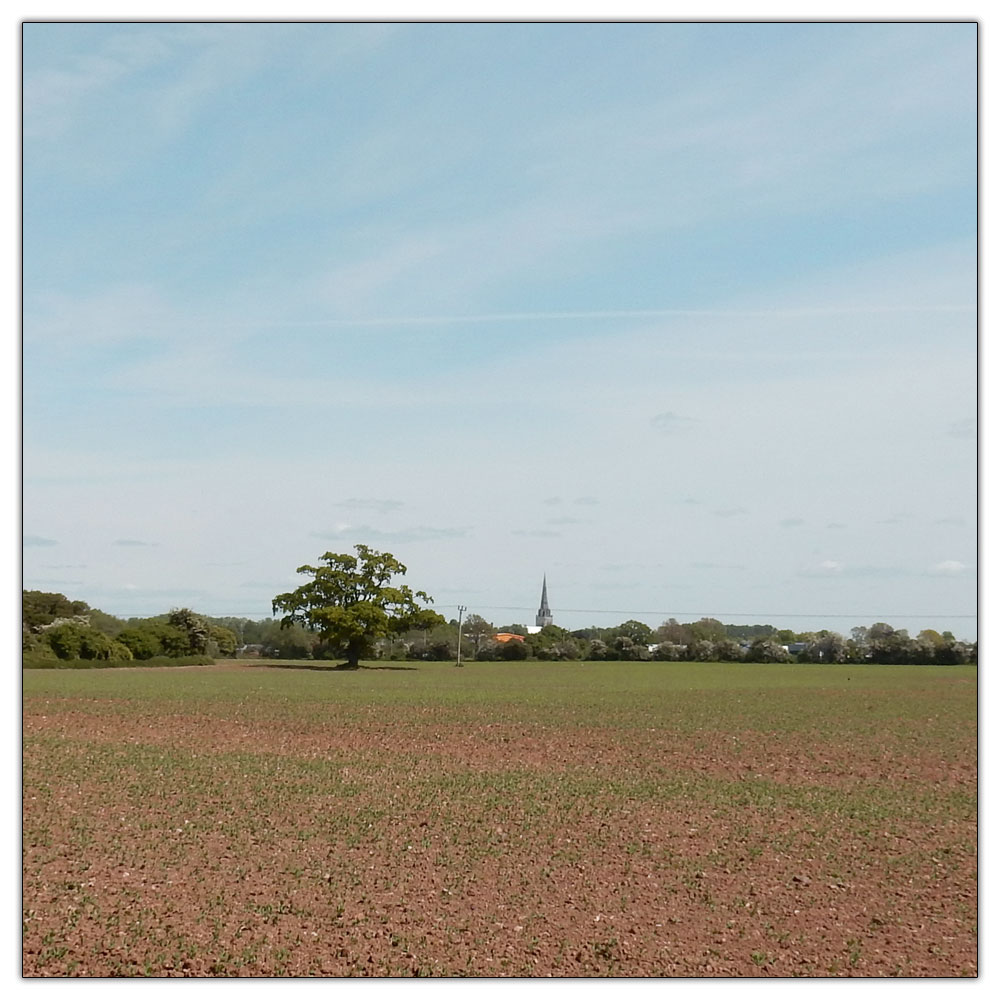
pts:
[544, 616]
[508, 636]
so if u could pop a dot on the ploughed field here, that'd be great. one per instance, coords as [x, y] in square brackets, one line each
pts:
[515, 819]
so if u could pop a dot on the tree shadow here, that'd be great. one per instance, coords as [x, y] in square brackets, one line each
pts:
[331, 667]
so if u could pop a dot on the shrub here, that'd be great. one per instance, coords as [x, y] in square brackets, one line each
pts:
[702, 650]
[513, 649]
[142, 642]
[625, 648]
[598, 650]
[767, 651]
[433, 648]
[670, 651]
[65, 640]
[222, 641]
[73, 641]
[568, 649]
[728, 651]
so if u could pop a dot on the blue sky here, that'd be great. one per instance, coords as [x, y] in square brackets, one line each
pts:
[681, 315]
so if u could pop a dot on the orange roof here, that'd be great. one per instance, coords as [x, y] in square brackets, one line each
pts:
[507, 636]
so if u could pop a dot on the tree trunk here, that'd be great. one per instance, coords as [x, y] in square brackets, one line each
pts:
[353, 654]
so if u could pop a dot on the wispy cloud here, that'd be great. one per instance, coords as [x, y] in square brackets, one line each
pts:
[172, 596]
[53, 98]
[370, 503]
[832, 567]
[899, 518]
[116, 313]
[613, 156]
[235, 323]
[792, 522]
[134, 543]
[964, 430]
[729, 511]
[158, 81]
[949, 567]
[366, 533]
[37, 540]
[630, 567]
[669, 422]
[537, 533]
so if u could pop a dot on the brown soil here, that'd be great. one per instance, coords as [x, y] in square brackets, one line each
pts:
[123, 883]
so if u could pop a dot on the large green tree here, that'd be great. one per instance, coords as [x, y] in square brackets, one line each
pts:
[637, 631]
[352, 602]
[708, 628]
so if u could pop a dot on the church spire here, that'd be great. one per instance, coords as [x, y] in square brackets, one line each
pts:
[544, 616]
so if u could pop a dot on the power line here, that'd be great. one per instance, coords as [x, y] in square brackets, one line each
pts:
[605, 611]
[731, 614]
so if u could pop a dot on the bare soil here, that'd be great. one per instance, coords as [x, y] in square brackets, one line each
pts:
[435, 872]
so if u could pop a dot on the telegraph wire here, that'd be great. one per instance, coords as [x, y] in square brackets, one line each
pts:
[598, 611]
[726, 614]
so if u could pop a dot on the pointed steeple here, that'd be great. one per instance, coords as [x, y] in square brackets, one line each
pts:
[544, 616]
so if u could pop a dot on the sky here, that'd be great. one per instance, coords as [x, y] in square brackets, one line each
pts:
[682, 316]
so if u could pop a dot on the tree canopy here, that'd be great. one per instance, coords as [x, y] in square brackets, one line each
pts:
[40, 608]
[352, 602]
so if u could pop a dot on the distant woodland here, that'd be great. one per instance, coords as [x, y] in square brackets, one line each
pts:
[58, 631]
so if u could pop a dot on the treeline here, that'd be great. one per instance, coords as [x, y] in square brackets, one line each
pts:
[709, 640]
[706, 640]
[57, 631]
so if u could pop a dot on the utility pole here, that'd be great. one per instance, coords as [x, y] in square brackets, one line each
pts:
[461, 610]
